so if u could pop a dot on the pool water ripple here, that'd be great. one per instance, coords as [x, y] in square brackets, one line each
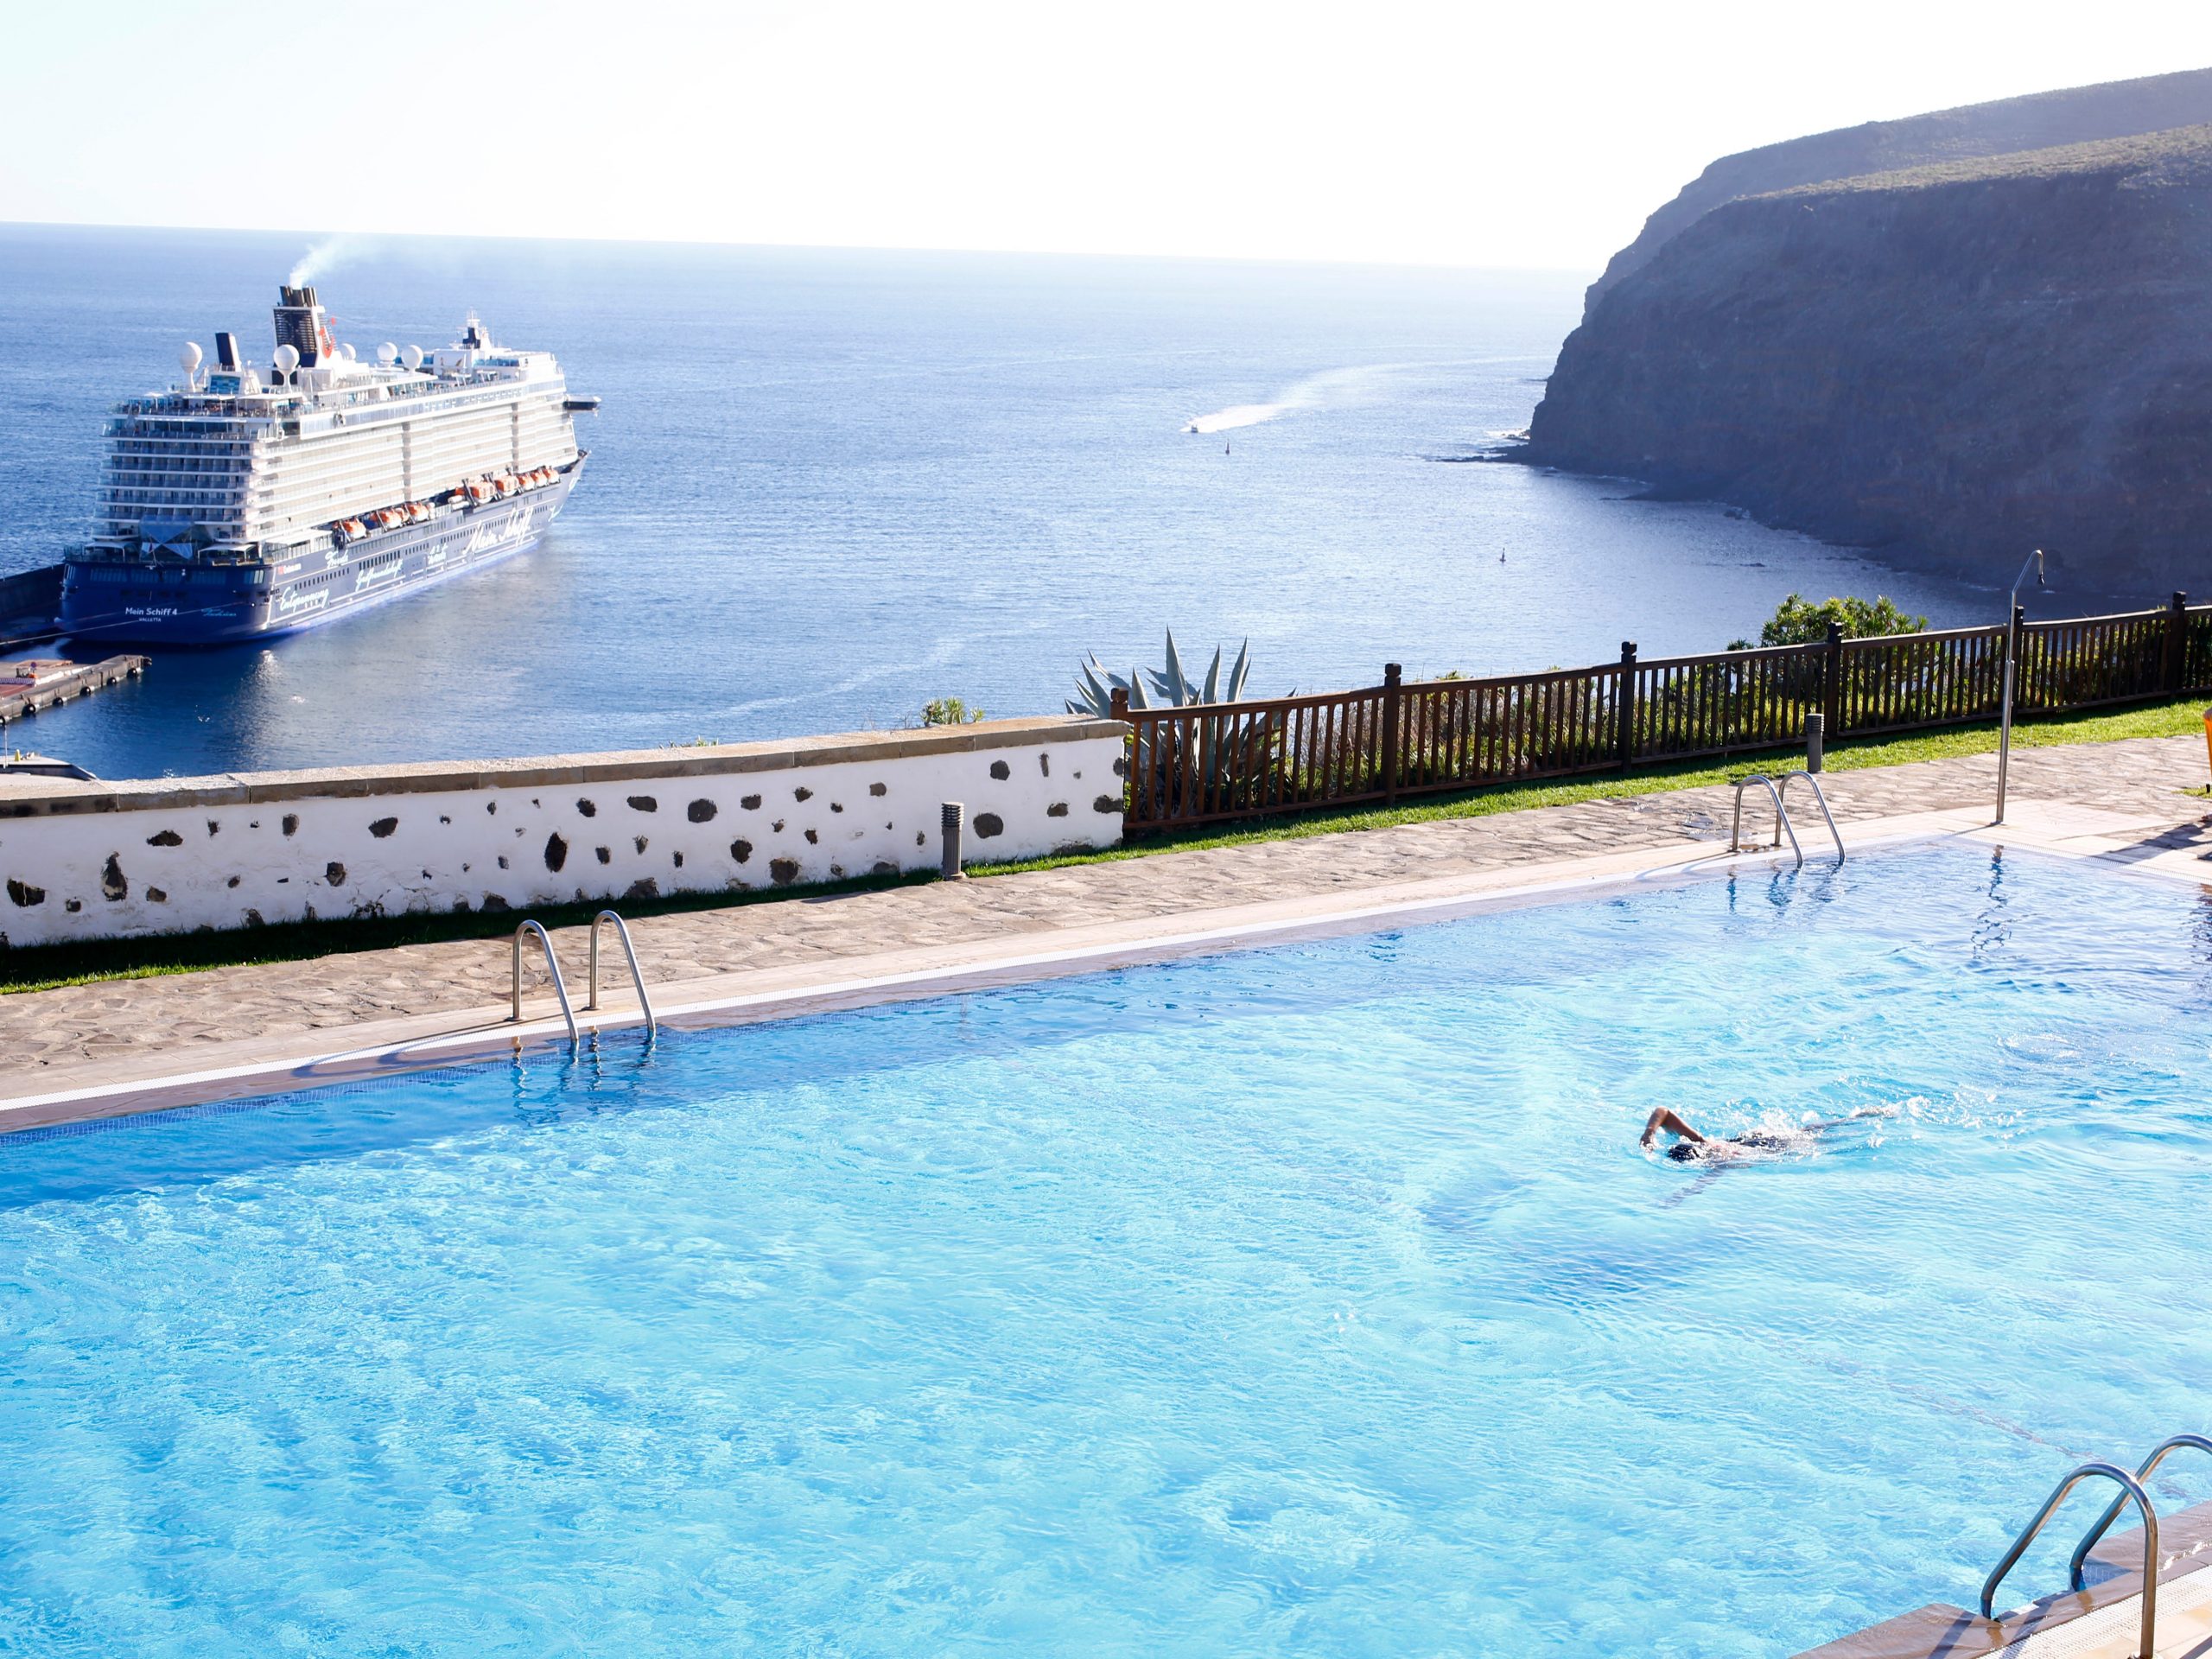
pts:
[1315, 1300]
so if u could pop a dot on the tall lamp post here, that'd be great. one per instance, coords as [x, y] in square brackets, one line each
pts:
[2012, 648]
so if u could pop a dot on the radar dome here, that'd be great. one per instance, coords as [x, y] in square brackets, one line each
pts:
[350, 354]
[287, 357]
[190, 357]
[412, 357]
[387, 354]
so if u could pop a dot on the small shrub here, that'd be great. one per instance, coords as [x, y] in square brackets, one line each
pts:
[1798, 622]
[949, 711]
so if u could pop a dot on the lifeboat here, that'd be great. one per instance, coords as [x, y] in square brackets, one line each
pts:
[416, 511]
[479, 489]
[347, 529]
[388, 518]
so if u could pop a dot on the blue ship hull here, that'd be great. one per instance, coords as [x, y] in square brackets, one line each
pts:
[175, 602]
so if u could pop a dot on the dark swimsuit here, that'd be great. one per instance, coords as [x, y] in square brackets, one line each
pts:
[1691, 1152]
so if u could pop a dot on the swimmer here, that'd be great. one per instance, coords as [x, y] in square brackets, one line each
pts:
[1691, 1147]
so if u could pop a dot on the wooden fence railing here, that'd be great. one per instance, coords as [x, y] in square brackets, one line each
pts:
[1213, 762]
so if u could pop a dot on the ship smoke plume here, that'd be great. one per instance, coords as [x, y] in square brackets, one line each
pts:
[323, 258]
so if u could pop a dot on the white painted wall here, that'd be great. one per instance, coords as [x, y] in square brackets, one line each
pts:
[105, 861]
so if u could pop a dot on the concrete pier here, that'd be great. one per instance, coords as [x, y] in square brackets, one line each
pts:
[29, 684]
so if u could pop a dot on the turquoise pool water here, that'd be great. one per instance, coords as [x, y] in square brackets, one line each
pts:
[1312, 1300]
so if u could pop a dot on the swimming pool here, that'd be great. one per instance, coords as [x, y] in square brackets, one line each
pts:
[1313, 1299]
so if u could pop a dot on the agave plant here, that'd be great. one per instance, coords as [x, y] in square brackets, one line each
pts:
[1171, 688]
[1172, 766]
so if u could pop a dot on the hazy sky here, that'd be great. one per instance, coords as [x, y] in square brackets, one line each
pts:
[1465, 133]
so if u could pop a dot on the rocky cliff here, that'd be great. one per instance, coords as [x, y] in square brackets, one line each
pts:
[2078, 114]
[1953, 363]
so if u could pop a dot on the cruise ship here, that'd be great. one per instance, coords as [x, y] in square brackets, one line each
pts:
[254, 500]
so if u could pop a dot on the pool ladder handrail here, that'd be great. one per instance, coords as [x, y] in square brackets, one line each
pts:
[553, 967]
[637, 973]
[1782, 822]
[1819, 797]
[2143, 1470]
[2130, 1488]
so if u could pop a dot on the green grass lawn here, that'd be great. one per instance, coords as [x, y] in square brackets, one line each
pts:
[43, 967]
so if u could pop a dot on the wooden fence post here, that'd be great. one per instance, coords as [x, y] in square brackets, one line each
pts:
[1392, 673]
[2176, 634]
[1832, 684]
[1117, 704]
[1624, 708]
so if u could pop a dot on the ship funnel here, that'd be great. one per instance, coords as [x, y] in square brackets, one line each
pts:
[302, 325]
[227, 352]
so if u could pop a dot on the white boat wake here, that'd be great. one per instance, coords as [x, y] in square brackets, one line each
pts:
[1368, 383]
[1331, 388]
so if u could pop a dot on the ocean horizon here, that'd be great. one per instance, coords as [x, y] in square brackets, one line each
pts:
[830, 485]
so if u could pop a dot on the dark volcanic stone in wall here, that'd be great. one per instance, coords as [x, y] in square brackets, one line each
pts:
[556, 854]
[1952, 366]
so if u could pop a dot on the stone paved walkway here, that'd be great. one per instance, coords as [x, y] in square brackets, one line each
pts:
[2141, 778]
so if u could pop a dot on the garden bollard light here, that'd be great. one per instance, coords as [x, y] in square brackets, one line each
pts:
[2208, 745]
[1817, 728]
[954, 813]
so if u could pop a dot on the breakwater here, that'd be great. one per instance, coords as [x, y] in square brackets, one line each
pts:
[91, 860]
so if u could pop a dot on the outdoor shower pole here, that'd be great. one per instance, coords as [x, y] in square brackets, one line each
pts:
[2011, 649]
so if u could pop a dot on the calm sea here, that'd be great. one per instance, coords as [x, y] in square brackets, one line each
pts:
[829, 486]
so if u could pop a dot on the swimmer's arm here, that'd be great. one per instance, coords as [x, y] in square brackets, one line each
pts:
[1664, 1119]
